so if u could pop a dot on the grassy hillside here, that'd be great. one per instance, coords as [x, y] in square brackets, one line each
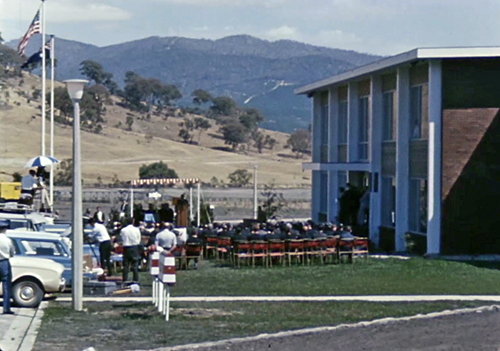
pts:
[119, 153]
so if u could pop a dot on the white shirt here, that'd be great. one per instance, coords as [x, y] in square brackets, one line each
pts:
[166, 239]
[130, 235]
[100, 233]
[6, 247]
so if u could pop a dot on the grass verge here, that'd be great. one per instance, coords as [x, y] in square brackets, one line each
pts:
[108, 326]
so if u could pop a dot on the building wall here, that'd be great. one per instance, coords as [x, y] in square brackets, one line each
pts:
[471, 181]
[471, 165]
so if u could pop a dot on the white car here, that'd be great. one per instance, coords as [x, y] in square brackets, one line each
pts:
[34, 277]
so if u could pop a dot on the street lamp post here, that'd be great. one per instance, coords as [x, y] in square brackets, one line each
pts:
[75, 91]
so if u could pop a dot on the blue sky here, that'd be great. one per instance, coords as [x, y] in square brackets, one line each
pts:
[373, 26]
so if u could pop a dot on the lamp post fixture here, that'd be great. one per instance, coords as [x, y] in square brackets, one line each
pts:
[75, 91]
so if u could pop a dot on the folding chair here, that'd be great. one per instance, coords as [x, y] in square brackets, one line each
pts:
[294, 248]
[210, 246]
[224, 247]
[275, 250]
[242, 250]
[259, 250]
[193, 251]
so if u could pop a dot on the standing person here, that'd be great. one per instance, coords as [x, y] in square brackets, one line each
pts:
[131, 238]
[100, 233]
[182, 209]
[6, 252]
[29, 183]
[99, 215]
[166, 238]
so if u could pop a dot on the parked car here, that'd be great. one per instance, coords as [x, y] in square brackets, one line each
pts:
[49, 246]
[34, 277]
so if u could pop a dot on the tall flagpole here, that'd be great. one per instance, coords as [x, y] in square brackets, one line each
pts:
[52, 77]
[42, 151]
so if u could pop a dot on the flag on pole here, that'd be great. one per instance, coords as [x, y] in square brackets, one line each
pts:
[35, 27]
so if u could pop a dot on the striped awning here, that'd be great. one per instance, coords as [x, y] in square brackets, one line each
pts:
[164, 181]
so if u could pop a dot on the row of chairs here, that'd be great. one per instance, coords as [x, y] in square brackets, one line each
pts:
[301, 251]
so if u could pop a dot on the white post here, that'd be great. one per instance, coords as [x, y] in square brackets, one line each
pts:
[190, 203]
[42, 13]
[75, 90]
[167, 302]
[131, 201]
[198, 220]
[161, 294]
[52, 77]
[255, 204]
[434, 195]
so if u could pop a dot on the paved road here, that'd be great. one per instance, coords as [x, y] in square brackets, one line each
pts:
[472, 329]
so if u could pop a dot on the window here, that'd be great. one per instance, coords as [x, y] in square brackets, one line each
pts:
[418, 112]
[389, 122]
[363, 128]
[41, 247]
[342, 131]
[418, 205]
[324, 133]
[388, 201]
[342, 179]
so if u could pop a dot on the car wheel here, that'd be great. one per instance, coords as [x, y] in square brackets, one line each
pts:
[27, 293]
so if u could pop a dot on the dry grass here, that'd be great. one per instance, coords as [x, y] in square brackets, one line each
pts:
[121, 152]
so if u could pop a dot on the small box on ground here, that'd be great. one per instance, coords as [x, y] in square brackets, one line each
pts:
[92, 288]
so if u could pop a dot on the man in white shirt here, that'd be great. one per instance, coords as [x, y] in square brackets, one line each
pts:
[6, 252]
[130, 237]
[166, 238]
[101, 235]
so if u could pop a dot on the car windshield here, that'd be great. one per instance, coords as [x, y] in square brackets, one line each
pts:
[20, 224]
[44, 247]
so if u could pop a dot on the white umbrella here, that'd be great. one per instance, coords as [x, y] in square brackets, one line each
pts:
[41, 161]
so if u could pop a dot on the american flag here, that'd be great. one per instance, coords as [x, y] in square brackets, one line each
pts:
[35, 27]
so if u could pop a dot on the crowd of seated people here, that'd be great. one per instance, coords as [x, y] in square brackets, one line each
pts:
[275, 231]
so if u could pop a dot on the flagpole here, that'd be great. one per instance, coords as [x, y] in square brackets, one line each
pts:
[52, 77]
[42, 14]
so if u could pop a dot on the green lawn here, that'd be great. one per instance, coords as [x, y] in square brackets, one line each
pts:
[119, 326]
[372, 277]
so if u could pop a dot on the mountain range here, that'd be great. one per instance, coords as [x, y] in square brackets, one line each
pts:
[254, 72]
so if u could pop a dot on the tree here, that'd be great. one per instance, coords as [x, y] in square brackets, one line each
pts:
[201, 124]
[300, 142]
[239, 178]
[64, 174]
[251, 118]
[259, 140]
[270, 142]
[156, 170]
[129, 122]
[62, 101]
[142, 94]
[201, 97]
[94, 71]
[187, 126]
[94, 102]
[223, 106]
[273, 201]
[234, 134]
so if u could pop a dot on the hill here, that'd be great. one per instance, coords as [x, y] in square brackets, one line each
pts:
[117, 154]
[254, 72]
